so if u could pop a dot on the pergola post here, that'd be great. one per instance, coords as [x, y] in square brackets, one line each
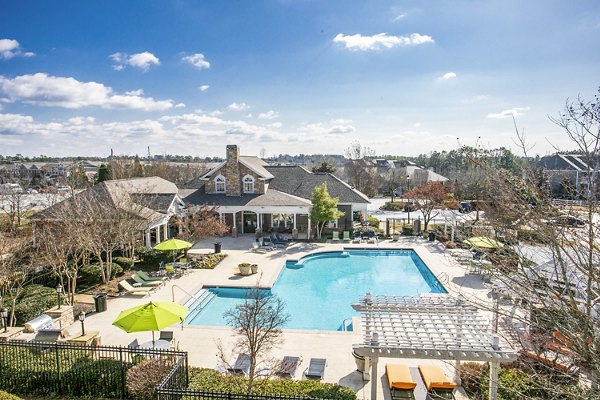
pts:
[157, 234]
[494, 366]
[148, 240]
[374, 377]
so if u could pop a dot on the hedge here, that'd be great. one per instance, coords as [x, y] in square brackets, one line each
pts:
[32, 301]
[210, 380]
[8, 396]
[123, 262]
[92, 273]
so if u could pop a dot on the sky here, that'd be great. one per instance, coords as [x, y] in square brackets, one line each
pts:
[290, 76]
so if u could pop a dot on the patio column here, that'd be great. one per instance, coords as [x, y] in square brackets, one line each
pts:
[494, 366]
[258, 220]
[374, 378]
[166, 231]
[294, 221]
[157, 234]
[308, 233]
[148, 240]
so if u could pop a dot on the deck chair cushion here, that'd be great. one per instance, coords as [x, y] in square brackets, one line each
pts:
[316, 368]
[435, 378]
[288, 366]
[399, 377]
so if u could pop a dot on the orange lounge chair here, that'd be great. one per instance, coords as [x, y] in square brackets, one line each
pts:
[553, 359]
[436, 381]
[401, 383]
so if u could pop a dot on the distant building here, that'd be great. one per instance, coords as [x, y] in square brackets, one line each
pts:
[567, 175]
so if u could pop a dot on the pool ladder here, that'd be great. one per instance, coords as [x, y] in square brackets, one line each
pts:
[443, 277]
[345, 324]
[202, 298]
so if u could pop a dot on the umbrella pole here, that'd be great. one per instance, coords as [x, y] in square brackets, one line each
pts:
[152, 339]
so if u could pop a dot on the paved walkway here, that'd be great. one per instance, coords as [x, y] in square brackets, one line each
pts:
[202, 342]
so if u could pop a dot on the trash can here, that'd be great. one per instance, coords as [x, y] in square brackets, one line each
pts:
[431, 236]
[100, 302]
[217, 247]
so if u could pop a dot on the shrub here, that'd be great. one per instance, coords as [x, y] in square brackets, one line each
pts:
[151, 258]
[395, 206]
[92, 273]
[143, 378]
[32, 301]
[470, 375]
[373, 221]
[209, 261]
[407, 230]
[101, 378]
[450, 245]
[8, 396]
[124, 262]
[211, 380]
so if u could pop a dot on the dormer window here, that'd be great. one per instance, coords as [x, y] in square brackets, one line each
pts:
[220, 184]
[248, 182]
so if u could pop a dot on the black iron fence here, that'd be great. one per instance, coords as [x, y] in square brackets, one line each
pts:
[175, 394]
[64, 369]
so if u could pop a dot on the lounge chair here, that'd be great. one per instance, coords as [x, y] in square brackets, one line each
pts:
[372, 237]
[135, 291]
[335, 237]
[281, 239]
[142, 282]
[257, 249]
[436, 382]
[400, 382]
[149, 278]
[276, 242]
[241, 366]
[287, 368]
[267, 244]
[357, 238]
[346, 237]
[316, 368]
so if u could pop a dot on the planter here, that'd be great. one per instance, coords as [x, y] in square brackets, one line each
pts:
[254, 268]
[395, 237]
[244, 269]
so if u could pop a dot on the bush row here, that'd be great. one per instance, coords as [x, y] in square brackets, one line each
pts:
[211, 380]
[32, 301]
[209, 261]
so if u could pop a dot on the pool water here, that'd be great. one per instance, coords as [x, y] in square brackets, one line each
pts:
[319, 289]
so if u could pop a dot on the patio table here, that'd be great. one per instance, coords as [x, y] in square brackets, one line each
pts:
[158, 344]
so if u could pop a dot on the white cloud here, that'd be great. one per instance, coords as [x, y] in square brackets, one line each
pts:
[180, 105]
[380, 41]
[142, 60]
[10, 48]
[203, 88]
[333, 127]
[197, 60]
[53, 91]
[508, 113]
[268, 115]
[238, 106]
[275, 125]
[476, 99]
[399, 17]
[447, 75]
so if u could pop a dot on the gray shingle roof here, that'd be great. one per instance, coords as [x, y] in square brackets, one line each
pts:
[270, 198]
[300, 182]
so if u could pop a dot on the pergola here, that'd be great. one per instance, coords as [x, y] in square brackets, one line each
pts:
[430, 327]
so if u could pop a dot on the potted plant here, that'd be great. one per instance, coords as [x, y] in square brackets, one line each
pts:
[244, 268]
[254, 268]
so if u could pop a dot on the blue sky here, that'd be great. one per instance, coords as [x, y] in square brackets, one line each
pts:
[187, 77]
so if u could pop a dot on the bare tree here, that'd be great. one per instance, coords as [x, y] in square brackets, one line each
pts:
[431, 197]
[359, 171]
[257, 323]
[201, 223]
[14, 267]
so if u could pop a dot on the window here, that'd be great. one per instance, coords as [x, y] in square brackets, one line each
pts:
[248, 184]
[220, 184]
[333, 224]
[282, 221]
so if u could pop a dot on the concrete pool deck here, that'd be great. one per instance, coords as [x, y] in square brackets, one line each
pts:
[201, 342]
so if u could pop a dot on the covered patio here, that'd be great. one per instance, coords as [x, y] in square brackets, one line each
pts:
[428, 327]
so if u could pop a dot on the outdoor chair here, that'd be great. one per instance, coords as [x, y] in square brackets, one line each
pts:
[142, 282]
[266, 244]
[166, 335]
[436, 382]
[346, 237]
[335, 237]
[281, 239]
[316, 368]
[257, 249]
[276, 242]
[357, 238]
[149, 278]
[241, 366]
[173, 271]
[400, 381]
[372, 238]
[288, 366]
[130, 290]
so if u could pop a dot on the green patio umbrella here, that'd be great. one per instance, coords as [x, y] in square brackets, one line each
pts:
[483, 242]
[173, 245]
[153, 316]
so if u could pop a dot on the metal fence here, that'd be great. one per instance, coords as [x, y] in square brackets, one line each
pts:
[174, 394]
[65, 369]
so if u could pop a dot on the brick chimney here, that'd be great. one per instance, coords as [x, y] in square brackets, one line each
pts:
[233, 185]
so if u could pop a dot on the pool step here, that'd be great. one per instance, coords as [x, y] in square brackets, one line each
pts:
[202, 299]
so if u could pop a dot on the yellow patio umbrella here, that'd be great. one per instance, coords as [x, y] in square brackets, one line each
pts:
[153, 316]
[173, 245]
[483, 242]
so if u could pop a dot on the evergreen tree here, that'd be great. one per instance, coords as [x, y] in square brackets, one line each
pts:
[102, 174]
[138, 170]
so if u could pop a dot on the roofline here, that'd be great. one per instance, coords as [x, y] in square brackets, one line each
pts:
[212, 171]
[253, 169]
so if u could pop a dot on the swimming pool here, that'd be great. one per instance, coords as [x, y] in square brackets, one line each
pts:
[319, 289]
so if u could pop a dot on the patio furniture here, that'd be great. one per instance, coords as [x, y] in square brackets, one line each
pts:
[436, 382]
[149, 278]
[256, 248]
[166, 335]
[400, 381]
[346, 237]
[276, 242]
[372, 238]
[142, 282]
[266, 244]
[241, 365]
[281, 239]
[335, 237]
[316, 368]
[156, 344]
[357, 238]
[133, 291]
[288, 366]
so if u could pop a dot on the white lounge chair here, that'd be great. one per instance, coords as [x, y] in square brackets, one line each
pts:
[141, 291]
[257, 249]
